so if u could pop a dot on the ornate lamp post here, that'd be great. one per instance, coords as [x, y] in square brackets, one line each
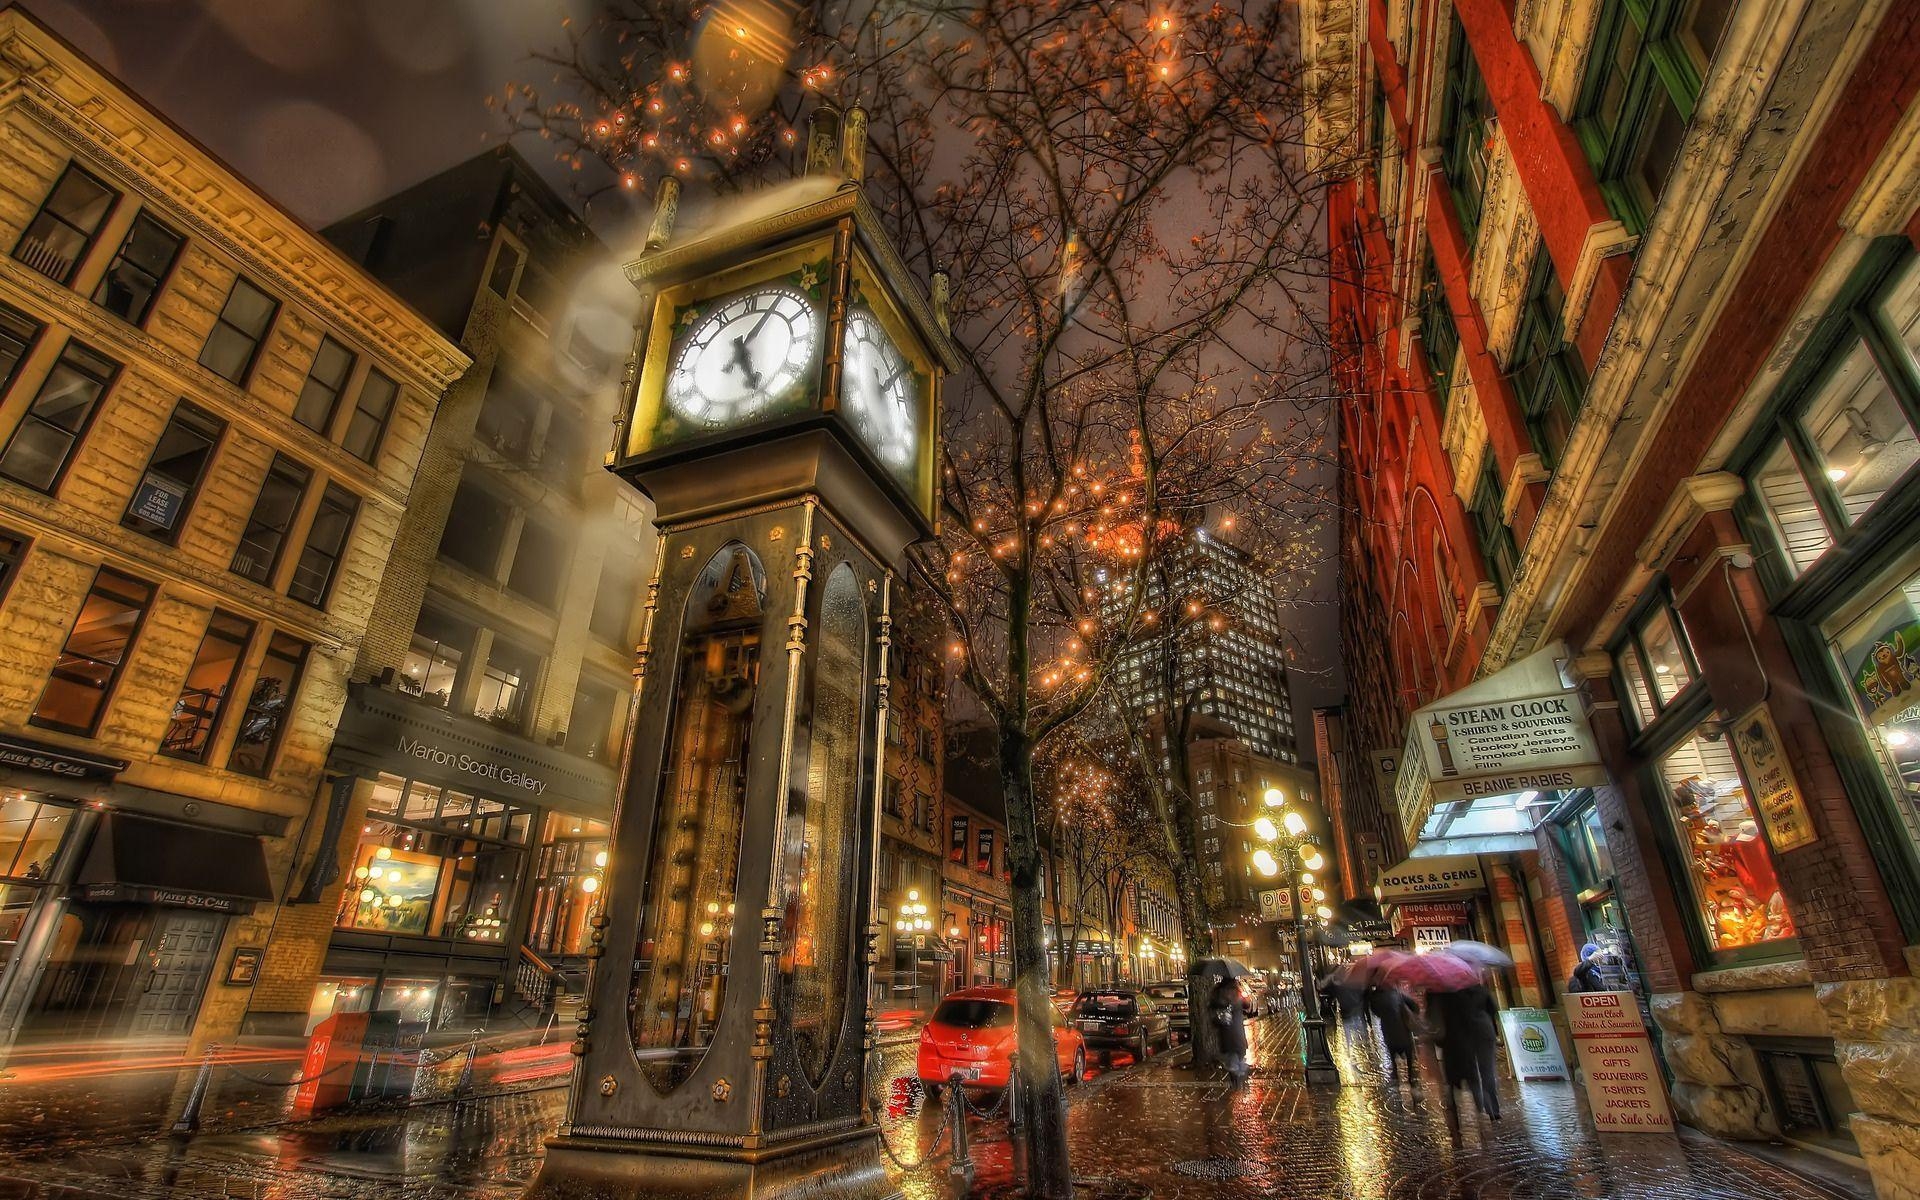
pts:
[1284, 849]
[913, 925]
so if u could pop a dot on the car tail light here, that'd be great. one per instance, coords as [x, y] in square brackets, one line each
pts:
[1123, 1027]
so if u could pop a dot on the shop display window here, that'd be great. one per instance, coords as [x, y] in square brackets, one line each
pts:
[569, 872]
[339, 995]
[30, 835]
[1736, 891]
[1878, 654]
[435, 862]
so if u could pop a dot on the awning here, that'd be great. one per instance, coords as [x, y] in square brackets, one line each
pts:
[1481, 765]
[137, 859]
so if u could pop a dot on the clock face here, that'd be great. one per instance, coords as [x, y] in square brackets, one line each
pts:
[878, 388]
[743, 356]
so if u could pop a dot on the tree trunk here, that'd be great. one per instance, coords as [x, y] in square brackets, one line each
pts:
[1049, 1172]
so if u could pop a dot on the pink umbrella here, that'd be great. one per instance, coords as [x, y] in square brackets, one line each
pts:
[1434, 972]
[1367, 970]
[1479, 953]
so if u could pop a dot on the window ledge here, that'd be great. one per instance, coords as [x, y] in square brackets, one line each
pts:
[1757, 977]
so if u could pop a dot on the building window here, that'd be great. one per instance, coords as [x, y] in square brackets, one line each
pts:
[890, 796]
[590, 726]
[476, 529]
[273, 513]
[431, 667]
[371, 412]
[1490, 529]
[1439, 337]
[1844, 438]
[1467, 124]
[18, 332]
[1548, 376]
[42, 446]
[1645, 63]
[1878, 656]
[1655, 661]
[138, 270]
[97, 645]
[957, 846]
[30, 836]
[438, 863]
[326, 541]
[506, 263]
[60, 233]
[268, 704]
[326, 383]
[180, 457]
[508, 419]
[568, 873]
[612, 619]
[539, 561]
[196, 714]
[1736, 895]
[983, 857]
[506, 684]
[13, 548]
[234, 343]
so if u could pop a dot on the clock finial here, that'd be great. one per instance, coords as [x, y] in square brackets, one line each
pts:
[940, 287]
[666, 206]
[823, 128]
[853, 145]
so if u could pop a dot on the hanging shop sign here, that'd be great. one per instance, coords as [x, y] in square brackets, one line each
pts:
[1616, 1060]
[1532, 1046]
[1418, 878]
[1518, 730]
[1776, 795]
[1431, 937]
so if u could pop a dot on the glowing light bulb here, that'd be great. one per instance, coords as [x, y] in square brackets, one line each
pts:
[1274, 798]
[1266, 829]
[600, 859]
[706, 928]
[1264, 863]
[368, 895]
[1295, 823]
[590, 884]
[384, 852]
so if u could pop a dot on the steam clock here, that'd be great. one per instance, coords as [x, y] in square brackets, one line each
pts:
[783, 421]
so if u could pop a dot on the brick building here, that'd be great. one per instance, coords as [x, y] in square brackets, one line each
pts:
[473, 774]
[1624, 304]
[914, 965]
[209, 430]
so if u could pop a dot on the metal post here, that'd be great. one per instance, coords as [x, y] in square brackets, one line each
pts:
[465, 1087]
[1013, 1096]
[960, 1166]
[1313, 1026]
[188, 1123]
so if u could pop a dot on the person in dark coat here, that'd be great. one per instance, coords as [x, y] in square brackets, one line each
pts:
[1469, 1024]
[1395, 1010]
[1230, 1027]
[1586, 976]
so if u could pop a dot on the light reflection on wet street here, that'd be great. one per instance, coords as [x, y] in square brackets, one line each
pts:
[1160, 1126]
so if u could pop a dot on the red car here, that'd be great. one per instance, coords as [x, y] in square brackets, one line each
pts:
[971, 1035]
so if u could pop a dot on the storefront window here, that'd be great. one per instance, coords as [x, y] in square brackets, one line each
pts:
[1878, 654]
[30, 834]
[1735, 889]
[567, 877]
[436, 863]
[337, 996]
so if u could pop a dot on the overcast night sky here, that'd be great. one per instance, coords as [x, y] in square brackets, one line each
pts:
[328, 105]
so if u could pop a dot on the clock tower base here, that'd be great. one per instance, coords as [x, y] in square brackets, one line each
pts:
[843, 1166]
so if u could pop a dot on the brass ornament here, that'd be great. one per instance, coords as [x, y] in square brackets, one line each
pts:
[826, 543]
[686, 552]
[722, 1090]
[783, 1087]
[608, 1085]
[777, 534]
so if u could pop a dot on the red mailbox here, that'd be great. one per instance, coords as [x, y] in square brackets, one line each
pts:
[327, 1074]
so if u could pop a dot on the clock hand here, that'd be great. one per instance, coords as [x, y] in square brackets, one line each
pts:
[744, 361]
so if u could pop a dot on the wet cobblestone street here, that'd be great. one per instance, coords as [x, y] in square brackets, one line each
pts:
[1159, 1126]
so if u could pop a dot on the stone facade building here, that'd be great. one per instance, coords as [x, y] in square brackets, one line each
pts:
[472, 776]
[209, 428]
[1624, 306]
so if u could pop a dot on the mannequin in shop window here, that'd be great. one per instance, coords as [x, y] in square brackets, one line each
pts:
[1739, 891]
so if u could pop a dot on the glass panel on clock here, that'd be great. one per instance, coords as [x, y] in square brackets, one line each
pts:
[687, 927]
[821, 833]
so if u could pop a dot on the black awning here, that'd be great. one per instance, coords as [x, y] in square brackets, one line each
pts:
[138, 852]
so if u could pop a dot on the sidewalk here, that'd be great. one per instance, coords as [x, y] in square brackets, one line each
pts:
[1160, 1126]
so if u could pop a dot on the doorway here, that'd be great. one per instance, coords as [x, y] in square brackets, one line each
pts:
[126, 970]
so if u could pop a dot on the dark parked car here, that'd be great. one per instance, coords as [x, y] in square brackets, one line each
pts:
[1122, 1019]
[1172, 997]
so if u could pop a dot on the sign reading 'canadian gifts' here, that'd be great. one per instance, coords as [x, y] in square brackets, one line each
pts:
[1530, 743]
[1616, 1058]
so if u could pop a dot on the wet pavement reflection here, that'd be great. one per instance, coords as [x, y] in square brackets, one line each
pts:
[1160, 1126]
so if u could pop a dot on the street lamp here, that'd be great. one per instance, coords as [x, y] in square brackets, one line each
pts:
[914, 923]
[1286, 850]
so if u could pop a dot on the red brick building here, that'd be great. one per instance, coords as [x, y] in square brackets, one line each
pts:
[1626, 310]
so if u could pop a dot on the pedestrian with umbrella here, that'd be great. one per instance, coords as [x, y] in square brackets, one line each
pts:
[1395, 1011]
[1230, 1028]
[1469, 1022]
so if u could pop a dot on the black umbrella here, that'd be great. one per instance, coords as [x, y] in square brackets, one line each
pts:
[1226, 967]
